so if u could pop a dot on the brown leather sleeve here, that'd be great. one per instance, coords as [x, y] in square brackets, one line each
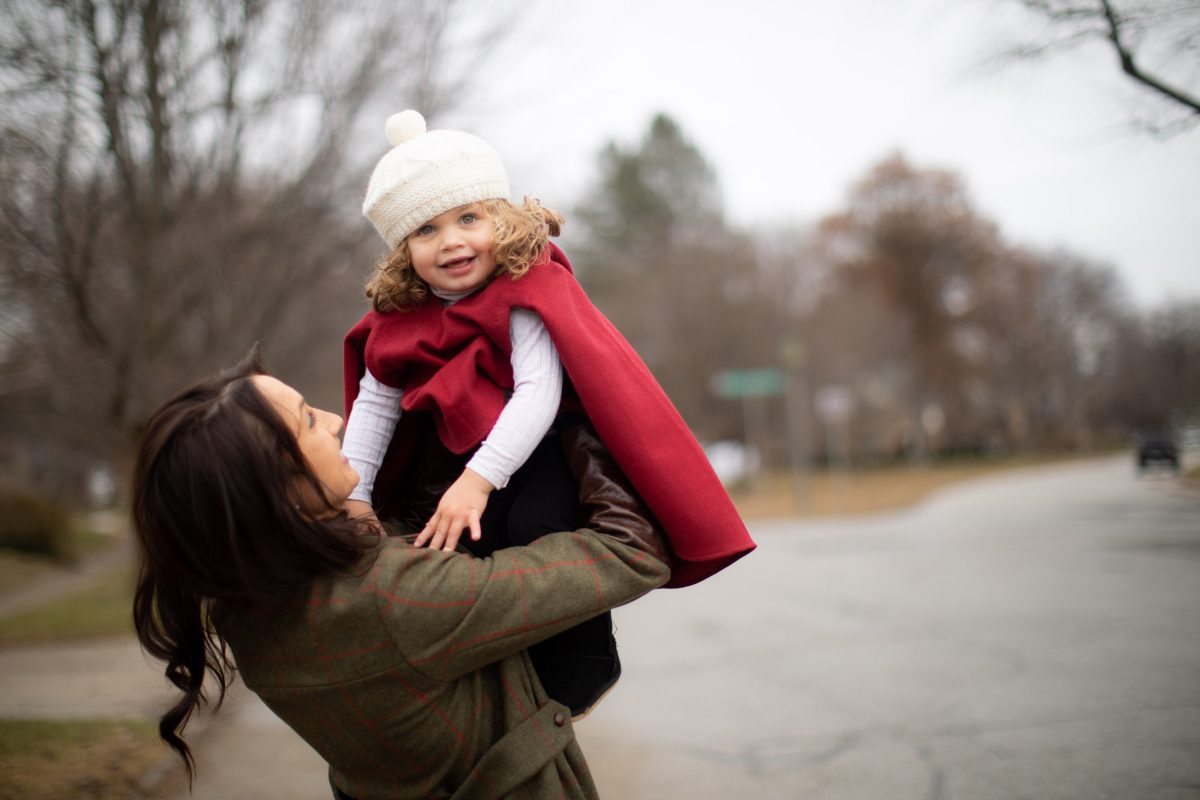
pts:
[606, 496]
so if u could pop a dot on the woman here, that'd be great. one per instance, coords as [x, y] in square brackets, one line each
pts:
[404, 667]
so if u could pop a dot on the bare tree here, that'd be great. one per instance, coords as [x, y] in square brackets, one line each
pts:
[1156, 44]
[657, 256]
[183, 179]
[1172, 336]
[912, 237]
[1055, 368]
[930, 309]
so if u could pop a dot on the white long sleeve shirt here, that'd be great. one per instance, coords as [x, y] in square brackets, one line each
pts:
[524, 421]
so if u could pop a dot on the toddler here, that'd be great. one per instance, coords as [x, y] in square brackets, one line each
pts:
[456, 376]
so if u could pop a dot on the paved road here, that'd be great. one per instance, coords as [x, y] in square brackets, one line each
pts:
[1033, 635]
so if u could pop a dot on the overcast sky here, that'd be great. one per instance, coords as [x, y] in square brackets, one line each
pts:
[792, 102]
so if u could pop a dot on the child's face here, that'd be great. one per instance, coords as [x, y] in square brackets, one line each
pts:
[453, 251]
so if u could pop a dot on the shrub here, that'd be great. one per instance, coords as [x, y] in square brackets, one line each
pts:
[32, 524]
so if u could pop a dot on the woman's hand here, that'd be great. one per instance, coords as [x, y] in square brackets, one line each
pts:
[460, 507]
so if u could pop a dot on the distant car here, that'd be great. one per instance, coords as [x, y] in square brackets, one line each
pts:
[1158, 447]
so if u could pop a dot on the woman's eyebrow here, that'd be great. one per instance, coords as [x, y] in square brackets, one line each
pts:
[300, 413]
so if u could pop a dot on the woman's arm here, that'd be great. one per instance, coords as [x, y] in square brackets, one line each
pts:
[451, 614]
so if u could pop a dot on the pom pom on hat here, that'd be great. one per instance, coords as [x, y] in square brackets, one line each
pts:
[404, 126]
[426, 173]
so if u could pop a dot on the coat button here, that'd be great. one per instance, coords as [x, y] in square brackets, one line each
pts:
[560, 719]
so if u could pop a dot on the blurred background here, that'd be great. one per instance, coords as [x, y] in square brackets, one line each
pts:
[847, 238]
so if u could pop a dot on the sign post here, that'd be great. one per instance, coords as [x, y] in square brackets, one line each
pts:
[746, 385]
[794, 357]
[735, 383]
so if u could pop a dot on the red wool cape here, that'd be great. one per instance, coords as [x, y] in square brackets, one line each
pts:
[454, 361]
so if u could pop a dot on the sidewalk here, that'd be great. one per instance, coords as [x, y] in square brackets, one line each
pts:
[242, 752]
[246, 752]
[78, 679]
[99, 679]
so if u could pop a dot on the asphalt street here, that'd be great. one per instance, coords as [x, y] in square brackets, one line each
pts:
[1030, 635]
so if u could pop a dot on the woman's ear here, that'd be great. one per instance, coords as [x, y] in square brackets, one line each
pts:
[307, 500]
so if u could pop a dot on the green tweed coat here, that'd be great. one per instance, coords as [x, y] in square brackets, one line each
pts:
[412, 679]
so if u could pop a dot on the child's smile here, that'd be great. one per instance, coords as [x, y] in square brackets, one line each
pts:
[458, 266]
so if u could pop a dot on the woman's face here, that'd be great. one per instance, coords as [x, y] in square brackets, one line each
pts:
[316, 435]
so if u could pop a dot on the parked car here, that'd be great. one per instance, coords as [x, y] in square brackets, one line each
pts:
[1157, 447]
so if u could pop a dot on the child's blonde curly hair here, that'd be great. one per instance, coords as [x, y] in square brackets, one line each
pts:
[521, 235]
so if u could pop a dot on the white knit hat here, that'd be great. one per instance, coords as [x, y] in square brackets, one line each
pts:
[425, 174]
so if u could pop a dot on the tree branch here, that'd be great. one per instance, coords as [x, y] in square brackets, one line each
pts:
[111, 96]
[1130, 67]
[154, 26]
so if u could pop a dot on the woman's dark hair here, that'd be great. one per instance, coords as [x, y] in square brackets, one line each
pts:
[219, 521]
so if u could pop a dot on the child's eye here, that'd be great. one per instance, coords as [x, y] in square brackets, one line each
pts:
[467, 219]
[424, 230]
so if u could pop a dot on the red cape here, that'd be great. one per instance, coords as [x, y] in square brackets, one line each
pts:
[453, 361]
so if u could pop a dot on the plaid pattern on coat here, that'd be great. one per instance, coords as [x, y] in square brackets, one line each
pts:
[412, 681]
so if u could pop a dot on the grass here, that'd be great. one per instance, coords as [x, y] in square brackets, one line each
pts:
[85, 542]
[101, 608]
[824, 492]
[21, 569]
[98, 759]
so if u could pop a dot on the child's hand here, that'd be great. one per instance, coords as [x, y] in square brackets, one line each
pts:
[460, 507]
[361, 510]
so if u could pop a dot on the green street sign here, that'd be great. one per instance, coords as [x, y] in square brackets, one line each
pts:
[747, 382]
